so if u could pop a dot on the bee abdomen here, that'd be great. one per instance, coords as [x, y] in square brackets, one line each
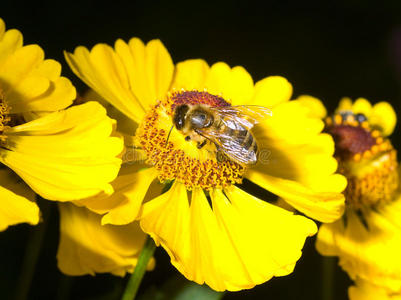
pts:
[248, 141]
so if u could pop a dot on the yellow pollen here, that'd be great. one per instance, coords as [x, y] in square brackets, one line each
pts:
[365, 125]
[338, 119]
[329, 121]
[371, 181]
[366, 158]
[375, 133]
[180, 160]
[4, 117]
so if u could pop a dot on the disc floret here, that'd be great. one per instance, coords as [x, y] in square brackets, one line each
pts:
[366, 158]
[177, 159]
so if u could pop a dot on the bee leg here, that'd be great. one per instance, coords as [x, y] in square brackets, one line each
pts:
[187, 138]
[200, 145]
[220, 156]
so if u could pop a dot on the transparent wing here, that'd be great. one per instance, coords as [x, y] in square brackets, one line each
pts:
[242, 115]
[230, 145]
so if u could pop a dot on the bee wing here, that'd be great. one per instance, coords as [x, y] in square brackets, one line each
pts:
[228, 144]
[244, 115]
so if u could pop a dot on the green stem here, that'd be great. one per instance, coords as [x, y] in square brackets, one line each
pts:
[32, 252]
[64, 287]
[328, 277]
[135, 280]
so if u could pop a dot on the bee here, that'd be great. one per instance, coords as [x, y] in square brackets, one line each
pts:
[228, 127]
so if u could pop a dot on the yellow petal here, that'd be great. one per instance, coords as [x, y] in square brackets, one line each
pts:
[130, 188]
[362, 106]
[384, 117]
[102, 70]
[271, 91]
[149, 67]
[49, 68]
[18, 66]
[10, 41]
[234, 85]
[242, 242]
[290, 121]
[370, 253]
[190, 74]
[2, 28]
[364, 290]
[125, 125]
[28, 82]
[344, 105]
[87, 247]
[58, 95]
[315, 106]
[17, 201]
[311, 166]
[323, 206]
[65, 155]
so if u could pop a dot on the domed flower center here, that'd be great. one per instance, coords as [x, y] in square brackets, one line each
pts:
[366, 158]
[4, 117]
[177, 157]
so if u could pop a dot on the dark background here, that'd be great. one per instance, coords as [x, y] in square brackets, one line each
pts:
[328, 49]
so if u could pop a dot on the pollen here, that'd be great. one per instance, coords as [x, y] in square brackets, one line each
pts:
[4, 116]
[180, 160]
[366, 158]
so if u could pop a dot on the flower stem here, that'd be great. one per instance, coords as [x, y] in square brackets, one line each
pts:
[328, 277]
[135, 280]
[32, 252]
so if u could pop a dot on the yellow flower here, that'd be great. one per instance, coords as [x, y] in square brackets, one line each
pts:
[214, 232]
[368, 238]
[61, 154]
[87, 247]
[363, 290]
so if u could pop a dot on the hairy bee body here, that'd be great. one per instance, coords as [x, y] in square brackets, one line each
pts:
[227, 127]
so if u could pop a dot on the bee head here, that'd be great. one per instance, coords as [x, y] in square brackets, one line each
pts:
[179, 116]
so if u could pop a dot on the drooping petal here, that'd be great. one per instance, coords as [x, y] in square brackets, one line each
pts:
[271, 91]
[130, 188]
[239, 243]
[233, 84]
[364, 290]
[323, 206]
[65, 155]
[17, 201]
[368, 246]
[290, 121]
[296, 162]
[87, 247]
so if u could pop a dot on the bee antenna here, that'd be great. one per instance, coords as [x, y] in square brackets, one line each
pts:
[168, 136]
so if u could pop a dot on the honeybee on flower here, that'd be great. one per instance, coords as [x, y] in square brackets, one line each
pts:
[175, 183]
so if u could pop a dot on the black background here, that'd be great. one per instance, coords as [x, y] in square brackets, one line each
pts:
[328, 49]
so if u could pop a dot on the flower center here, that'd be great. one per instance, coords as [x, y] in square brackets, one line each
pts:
[177, 158]
[4, 117]
[366, 158]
